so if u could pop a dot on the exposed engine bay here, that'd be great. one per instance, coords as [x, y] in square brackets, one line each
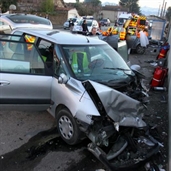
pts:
[120, 138]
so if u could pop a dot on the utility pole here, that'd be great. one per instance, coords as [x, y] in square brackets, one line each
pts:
[161, 13]
[164, 10]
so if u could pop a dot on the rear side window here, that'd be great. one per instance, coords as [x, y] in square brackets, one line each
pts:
[16, 58]
[28, 19]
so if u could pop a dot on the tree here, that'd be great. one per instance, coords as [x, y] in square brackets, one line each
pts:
[47, 6]
[6, 3]
[132, 5]
[88, 7]
[168, 13]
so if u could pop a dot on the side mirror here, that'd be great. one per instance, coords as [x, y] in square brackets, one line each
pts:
[62, 79]
[135, 67]
[136, 70]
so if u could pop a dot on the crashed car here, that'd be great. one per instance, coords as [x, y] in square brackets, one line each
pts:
[86, 85]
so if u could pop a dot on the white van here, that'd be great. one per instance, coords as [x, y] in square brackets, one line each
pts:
[122, 18]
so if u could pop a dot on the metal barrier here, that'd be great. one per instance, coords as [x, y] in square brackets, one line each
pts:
[157, 27]
[169, 100]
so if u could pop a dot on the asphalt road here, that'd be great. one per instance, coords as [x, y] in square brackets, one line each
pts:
[29, 140]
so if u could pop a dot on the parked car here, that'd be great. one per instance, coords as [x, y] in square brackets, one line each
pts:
[66, 23]
[9, 22]
[105, 22]
[147, 25]
[150, 25]
[166, 29]
[85, 84]
[90, 24]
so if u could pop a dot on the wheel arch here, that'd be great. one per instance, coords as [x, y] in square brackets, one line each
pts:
[60, 107]
[142, 51]
[78, 135]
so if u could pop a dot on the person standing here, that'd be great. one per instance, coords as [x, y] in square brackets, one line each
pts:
[99, 24]
[71, 24]
[143, 39]
[47, 16]
[85, 28]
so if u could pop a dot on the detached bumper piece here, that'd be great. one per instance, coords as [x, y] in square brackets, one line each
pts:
[126, 154]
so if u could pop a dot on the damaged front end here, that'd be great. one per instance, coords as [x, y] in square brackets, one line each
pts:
[120, 138]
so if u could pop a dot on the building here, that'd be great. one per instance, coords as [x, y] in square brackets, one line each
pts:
[35, 5]
[111, 12]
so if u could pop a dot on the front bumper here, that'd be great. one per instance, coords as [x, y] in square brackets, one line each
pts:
[128, 163]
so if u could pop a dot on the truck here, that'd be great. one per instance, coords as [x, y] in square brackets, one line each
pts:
[128, 32]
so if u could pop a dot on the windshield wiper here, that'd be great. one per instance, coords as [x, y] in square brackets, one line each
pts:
[122, 69]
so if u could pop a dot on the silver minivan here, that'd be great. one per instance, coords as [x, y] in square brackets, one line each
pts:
[84, 83]
[9, 22]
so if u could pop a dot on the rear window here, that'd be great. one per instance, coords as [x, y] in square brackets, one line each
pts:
[28, 19]
[122, 20]
[89, 23]
[74, 19]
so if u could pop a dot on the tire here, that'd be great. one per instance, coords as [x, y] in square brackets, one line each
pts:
[67, 127]
[140, 49]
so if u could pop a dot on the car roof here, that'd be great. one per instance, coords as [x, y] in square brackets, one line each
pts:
[61, 37]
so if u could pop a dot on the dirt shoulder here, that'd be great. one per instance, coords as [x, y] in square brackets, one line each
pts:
[156, 113]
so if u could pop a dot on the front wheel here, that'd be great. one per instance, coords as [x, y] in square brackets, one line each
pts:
[67, 127]
[140, 49]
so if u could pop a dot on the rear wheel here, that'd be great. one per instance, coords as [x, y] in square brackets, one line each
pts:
[67, 127]
[140, 49]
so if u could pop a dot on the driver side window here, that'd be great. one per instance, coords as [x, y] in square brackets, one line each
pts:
[45, 50]
[51, 56]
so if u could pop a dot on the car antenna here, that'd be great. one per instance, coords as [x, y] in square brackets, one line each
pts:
[87, 40]
[82, 95]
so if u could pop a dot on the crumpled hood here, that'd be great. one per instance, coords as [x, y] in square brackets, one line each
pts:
[118, 106]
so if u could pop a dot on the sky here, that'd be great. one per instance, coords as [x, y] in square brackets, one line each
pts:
[148, 3]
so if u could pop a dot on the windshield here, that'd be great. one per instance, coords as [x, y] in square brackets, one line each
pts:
[122, 20]
[89, 22]
[99, 63]
[105, 20]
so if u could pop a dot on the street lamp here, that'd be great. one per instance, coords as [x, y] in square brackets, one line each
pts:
[12, 7]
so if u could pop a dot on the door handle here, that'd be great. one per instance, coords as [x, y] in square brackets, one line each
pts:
[3, 83]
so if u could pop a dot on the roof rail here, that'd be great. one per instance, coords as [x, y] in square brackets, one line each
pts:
[52, 32]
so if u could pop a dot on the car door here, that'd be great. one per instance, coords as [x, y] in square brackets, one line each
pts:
[24, 82]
